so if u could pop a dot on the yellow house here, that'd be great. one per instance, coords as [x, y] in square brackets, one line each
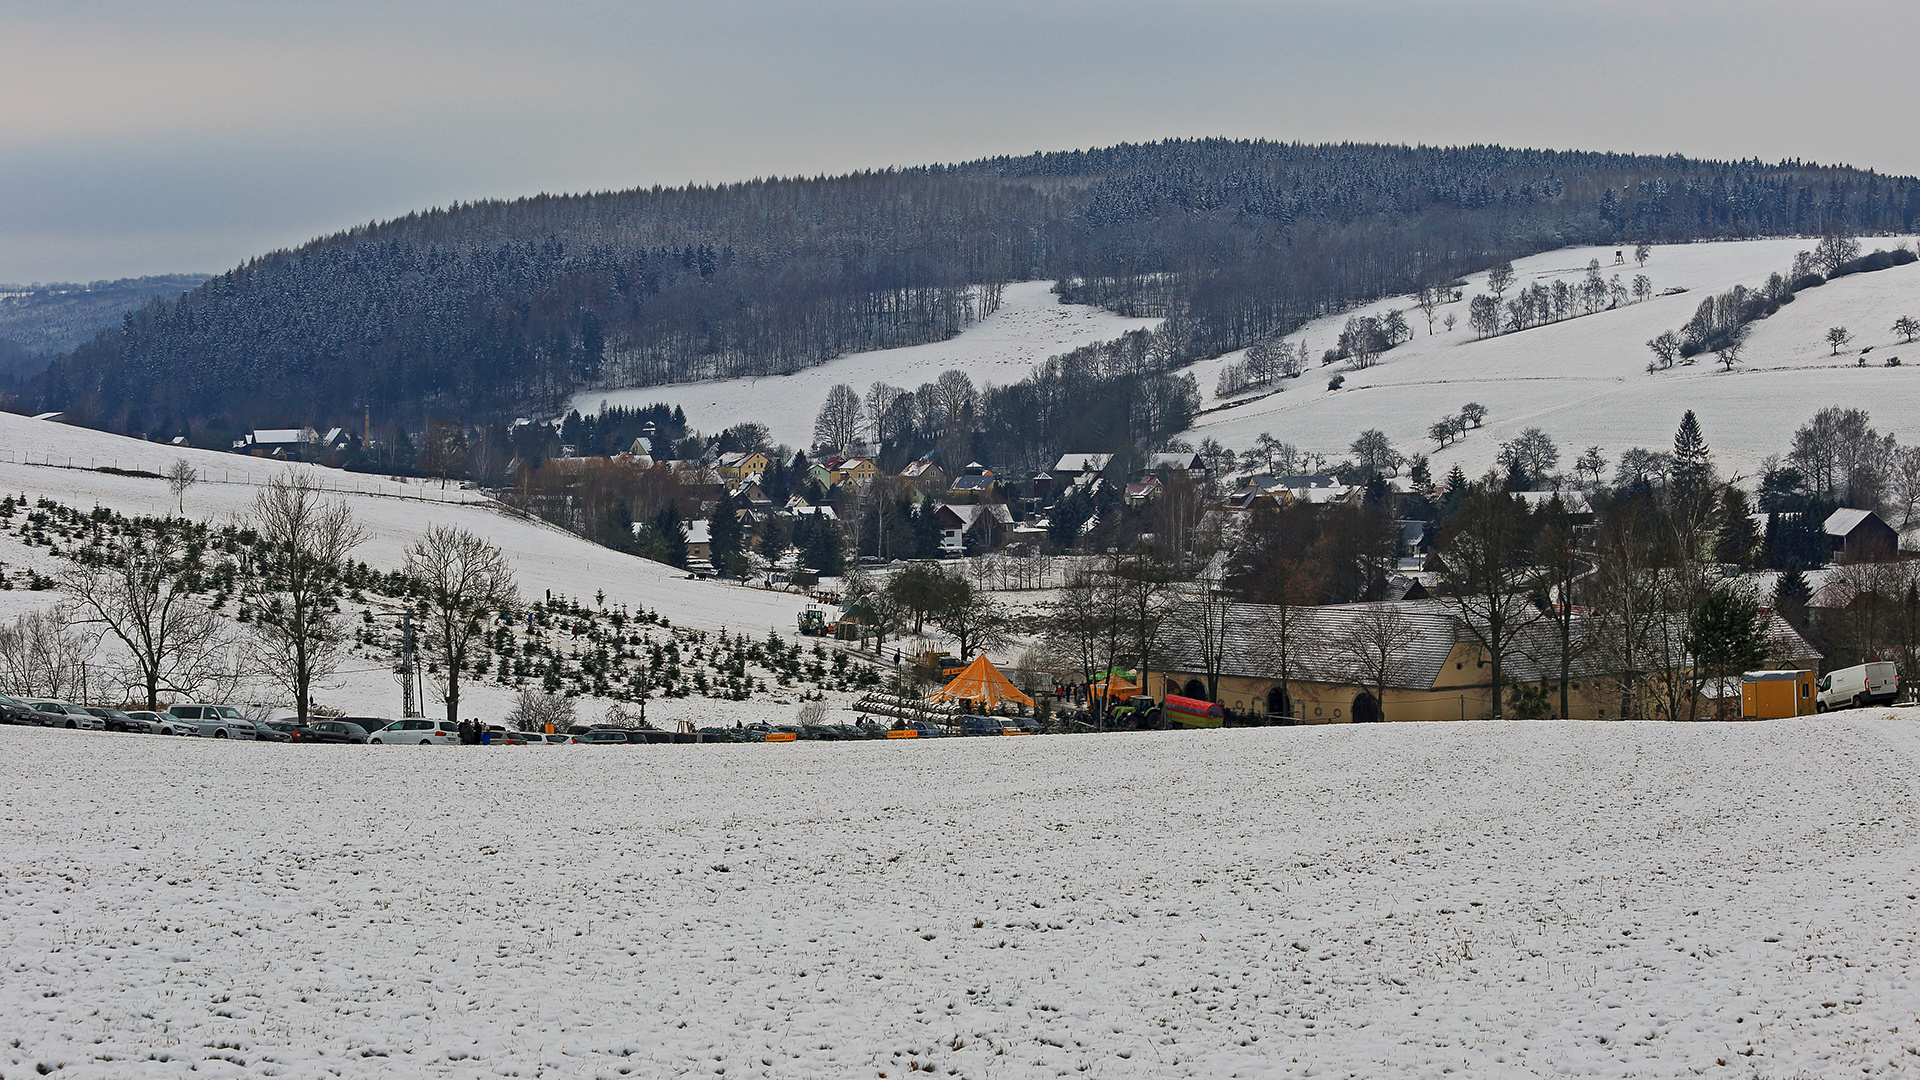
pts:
[856, 471]
[1355, 663]
[739, 465]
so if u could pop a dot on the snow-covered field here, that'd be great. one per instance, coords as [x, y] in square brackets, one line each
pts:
[1584, 381]
[1484, 900]
[1030, 326]
[393, 513]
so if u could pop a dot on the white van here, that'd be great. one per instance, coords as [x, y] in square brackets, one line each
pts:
[1864, 684]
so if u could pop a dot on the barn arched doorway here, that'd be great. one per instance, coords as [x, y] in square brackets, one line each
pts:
[1195, 689]
[1366, 710]
[1279, 706]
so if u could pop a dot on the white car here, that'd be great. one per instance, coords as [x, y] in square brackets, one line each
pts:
[416, 733]
[215, 721]
[166, 724]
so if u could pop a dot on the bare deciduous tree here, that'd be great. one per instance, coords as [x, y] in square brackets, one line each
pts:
[134, 591]
[180, 477]
[1373, 650]
[463, 580]
[43, 655]
[293, 587]
[533, 710]
[840, 419]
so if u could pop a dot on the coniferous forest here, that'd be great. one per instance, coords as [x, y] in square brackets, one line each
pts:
[486, 310]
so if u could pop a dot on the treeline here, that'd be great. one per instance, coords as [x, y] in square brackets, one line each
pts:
[487, 310]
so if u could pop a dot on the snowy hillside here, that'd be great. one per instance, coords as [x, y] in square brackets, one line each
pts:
[1030, 326]
[1584, 380]
[394, 513]
[1485, 900]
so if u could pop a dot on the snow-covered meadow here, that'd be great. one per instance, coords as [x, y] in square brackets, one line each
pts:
[1030, 325]
[1478, 899]
[1584, 380]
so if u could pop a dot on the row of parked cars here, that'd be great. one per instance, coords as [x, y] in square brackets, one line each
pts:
[224, 722]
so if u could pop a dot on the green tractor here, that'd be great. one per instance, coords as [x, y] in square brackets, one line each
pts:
[813, 622]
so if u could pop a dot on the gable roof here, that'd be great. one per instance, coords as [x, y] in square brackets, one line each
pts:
[1842, 522]
[1079, 463]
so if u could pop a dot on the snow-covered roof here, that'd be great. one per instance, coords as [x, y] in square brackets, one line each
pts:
[1078, 463]
[1843, 521]
[700, 532]
[278, 436]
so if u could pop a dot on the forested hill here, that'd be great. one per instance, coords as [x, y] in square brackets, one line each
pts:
[39, 321]
[494, 308]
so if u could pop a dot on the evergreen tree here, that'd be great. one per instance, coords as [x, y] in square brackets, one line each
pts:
[667, 537]
[1692, 460]
[1790, 596]
[1726, 633]
[723, 532]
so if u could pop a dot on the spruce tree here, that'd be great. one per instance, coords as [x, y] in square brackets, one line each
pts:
[1692, 460]
[1790, 596]
[723, 533]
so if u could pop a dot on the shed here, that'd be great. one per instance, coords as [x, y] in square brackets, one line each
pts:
[1860, 536]
[1771, 695]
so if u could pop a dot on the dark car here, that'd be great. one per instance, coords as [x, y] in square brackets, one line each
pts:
[981, 725]
[334, 731]
[265, 732]
[294, 730]
[604, 737]
[15, 711]
[123, 722]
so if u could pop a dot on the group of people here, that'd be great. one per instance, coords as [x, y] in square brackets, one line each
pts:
[475, 733]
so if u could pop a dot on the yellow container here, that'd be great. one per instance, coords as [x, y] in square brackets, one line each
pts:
[1772, 695]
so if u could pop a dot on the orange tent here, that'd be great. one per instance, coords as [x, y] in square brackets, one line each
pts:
[980, 681]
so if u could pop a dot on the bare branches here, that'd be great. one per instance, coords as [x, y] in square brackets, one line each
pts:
[462, 579]
[294, 587]
[135, 594]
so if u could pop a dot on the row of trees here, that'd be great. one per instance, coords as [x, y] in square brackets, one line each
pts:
[139, 587]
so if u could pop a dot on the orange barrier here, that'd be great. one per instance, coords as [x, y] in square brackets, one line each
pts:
[909, 734]
[782, 736]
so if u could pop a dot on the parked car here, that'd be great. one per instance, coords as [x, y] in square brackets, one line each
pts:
[51, 713]
[416, 732]
[981, 725]
[1877, 683]
[266, 732]
[334, 731]
[605, 737]
[215, 721]
[294, 730]
[15, 711]
[557, 739]
[164, 723]
[518, 738]
[115, 720]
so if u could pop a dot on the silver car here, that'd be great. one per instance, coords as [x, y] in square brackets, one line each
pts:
[66, 714]
[215, 721]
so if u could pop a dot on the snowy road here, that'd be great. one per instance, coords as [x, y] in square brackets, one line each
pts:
[1482, 899]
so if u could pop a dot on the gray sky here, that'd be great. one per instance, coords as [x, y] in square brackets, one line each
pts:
[159, 136]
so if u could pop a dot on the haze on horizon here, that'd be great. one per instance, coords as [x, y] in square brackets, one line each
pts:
[163, 137]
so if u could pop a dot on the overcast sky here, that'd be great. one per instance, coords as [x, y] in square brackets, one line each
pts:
[158, 136]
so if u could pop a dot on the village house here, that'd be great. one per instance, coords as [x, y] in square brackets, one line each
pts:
[985, 523]
[738, 466]
[856, 472]
[926, 477]
[287, 443]
[976, 484]
[1438, 671]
